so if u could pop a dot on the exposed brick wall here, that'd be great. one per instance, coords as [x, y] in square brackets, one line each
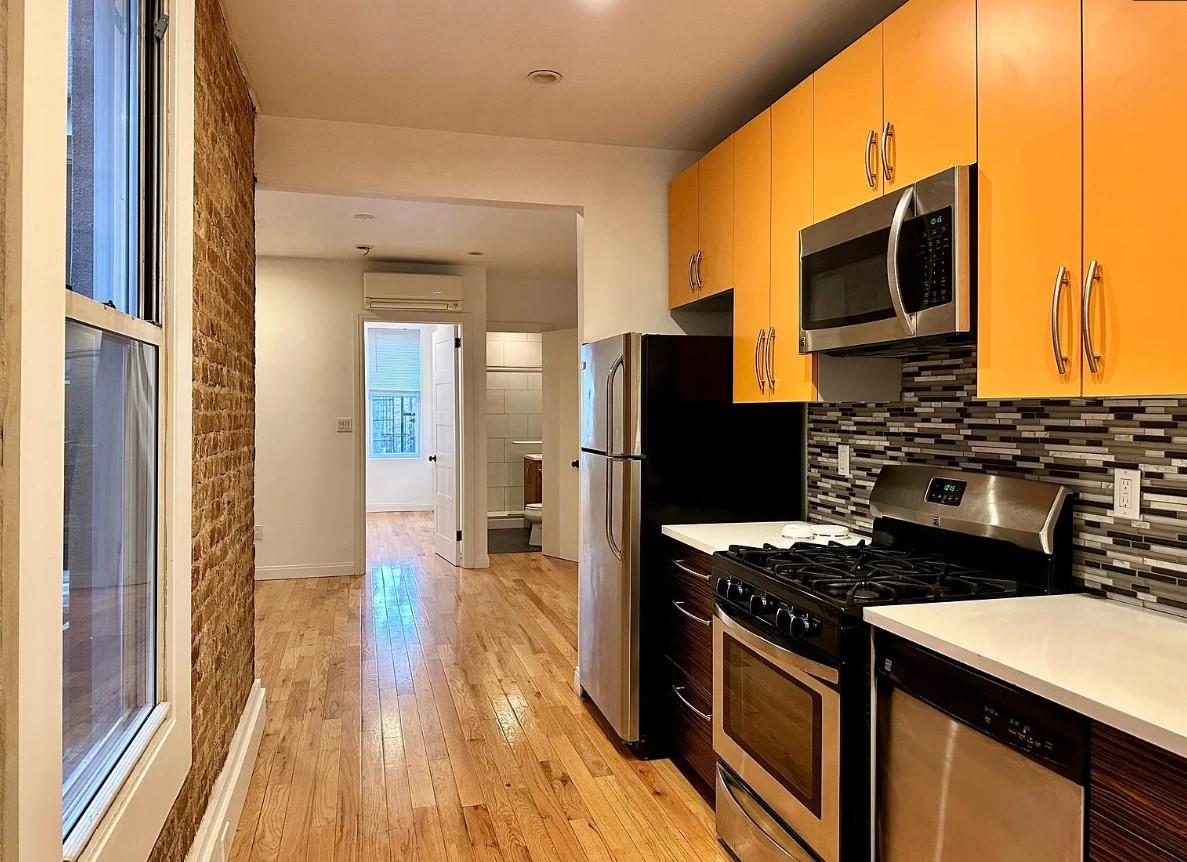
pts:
[224, 417]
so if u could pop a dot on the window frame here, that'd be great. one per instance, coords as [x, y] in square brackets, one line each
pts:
[394, 456]
[153, 770]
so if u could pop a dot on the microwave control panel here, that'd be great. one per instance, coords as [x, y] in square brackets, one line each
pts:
[932, 235]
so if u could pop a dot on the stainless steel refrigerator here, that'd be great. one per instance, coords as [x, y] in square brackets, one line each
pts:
[662, 442]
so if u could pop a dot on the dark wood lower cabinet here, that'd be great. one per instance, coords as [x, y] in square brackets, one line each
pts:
[680, 619]
[1137, 800]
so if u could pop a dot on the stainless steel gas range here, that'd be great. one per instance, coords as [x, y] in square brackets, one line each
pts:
[791, 675]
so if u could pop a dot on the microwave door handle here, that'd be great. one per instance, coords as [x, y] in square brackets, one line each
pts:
[892, 250]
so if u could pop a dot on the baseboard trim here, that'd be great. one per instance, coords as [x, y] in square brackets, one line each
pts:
[219, 822]
[483, 562]
[399, 507]
[330, 570]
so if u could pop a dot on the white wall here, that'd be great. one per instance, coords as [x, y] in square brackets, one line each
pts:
[621, 191]
[531, 301]
[405, 484]
[514, 410]
[307, 357]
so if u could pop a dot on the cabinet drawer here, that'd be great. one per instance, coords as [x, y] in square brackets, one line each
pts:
[688, 577]
[1139, 788]
[692, 732]
[688, 642]
[1111, 842]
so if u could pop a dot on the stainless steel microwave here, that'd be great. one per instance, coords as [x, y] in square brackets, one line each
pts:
[891, 270]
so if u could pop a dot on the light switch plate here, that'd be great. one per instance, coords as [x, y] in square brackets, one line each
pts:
[259, 537]
[843, 460]
[345, 424]
[1127, 494]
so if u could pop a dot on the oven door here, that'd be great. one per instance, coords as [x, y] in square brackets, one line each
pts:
[777, 726]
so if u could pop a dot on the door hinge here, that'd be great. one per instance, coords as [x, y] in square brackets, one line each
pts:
[459, 535]
[160, 27]
[457, 342]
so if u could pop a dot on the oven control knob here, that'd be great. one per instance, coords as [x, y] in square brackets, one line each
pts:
[723, 586]
[804, 625]
[739, 591]
[761, 604]
[783, 618]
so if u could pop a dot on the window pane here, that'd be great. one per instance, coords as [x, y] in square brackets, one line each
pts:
[103, 152]
[395, 423]
[109, 568]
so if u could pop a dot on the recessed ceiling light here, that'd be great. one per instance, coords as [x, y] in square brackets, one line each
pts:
[545, 76]
[365, 216]
[474, 253]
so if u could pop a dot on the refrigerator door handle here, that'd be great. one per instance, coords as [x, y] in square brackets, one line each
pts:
[614, 546]
[618, 363]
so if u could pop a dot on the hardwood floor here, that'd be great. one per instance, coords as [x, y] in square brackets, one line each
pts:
[426, 712]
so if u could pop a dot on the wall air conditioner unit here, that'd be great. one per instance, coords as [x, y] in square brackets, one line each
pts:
[407, 291]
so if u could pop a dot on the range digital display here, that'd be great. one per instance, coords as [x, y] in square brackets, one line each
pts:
[946, 492]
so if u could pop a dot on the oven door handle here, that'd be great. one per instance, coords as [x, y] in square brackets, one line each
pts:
[815, 669]
[892, 249]
[766, 825]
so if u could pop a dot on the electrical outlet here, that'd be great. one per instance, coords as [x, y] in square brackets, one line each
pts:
[259, 532]
[1127, 494]
[843, 460]
[345, 424]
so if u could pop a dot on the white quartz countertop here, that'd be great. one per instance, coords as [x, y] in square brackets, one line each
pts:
[711, 538]
[1117, 664]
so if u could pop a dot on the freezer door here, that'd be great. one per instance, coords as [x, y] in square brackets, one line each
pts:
[611, 377]
[608, 589]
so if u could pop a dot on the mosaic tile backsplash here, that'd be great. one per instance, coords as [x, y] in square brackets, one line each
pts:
[1078, 442]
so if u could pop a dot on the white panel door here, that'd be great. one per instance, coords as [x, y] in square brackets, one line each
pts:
[446, 469]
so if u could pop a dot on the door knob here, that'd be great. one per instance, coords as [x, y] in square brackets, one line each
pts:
[432, 457]
[575, 463]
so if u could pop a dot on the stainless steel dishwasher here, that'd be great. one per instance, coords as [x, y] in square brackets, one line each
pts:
[970, 769]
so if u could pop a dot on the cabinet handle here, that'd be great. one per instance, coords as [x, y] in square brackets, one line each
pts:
[887, 137]
[770, 363]
[692, 285]
[678, 690]
[1061, 281]
[679, 605]
[688, 570]
[759, 344]
[871, 171]
[1086, 324]
[696, 268]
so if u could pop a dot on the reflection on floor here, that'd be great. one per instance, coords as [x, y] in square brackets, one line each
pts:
[427, 713]
[510, 541]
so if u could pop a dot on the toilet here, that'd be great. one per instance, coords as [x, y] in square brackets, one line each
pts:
[533, 513]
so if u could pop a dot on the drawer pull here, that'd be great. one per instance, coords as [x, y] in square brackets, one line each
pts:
[688, 570]
[679, 605]
[678, 690]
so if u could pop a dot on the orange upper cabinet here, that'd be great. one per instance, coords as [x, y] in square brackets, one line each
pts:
[1028, 262]
[752, 258]
[684, 215]
[1135, 219]
[929, 64]
[847, 94]
[715, 266]
[794, 373]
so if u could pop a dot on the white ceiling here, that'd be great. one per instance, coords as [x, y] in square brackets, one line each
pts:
[676, 74]
[532, 242]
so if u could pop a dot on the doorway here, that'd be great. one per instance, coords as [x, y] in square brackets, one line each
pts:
[412, 431]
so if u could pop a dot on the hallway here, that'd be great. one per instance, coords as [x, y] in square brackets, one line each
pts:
[426, 712]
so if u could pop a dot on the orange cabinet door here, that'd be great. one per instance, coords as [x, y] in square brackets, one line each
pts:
[929, 73]
[847, 94]
[715, 267]
[683, 235]
[1028, 191]
[752, 258]
[791, 210]
[1135, 219]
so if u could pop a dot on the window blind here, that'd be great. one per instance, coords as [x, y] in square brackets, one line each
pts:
[393, 359]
